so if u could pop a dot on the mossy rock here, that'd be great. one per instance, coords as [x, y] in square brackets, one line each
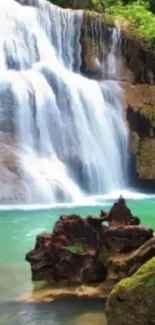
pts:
[145, 159]
[149, 113]
[132, 301]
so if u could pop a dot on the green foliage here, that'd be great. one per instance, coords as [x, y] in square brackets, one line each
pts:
[140, 19]
[149, 113]
[99, 5]
[78, 248]
[149, 4]
[137, 13]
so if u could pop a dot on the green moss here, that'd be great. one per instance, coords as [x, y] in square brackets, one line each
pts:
[146, 158]
[143, 145]
[77, 248]
[132, 301]
[149, 113]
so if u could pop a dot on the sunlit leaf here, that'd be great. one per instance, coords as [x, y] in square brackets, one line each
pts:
[78, 248]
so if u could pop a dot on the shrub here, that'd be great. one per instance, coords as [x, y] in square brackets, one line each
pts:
[141, 19]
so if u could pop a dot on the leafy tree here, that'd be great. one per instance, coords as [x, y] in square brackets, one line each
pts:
[138, 13]
[139, 17]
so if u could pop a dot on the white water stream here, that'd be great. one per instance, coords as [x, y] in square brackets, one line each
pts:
[62, 136]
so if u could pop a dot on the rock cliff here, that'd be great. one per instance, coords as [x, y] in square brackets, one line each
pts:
[140, 105]
[136, 73]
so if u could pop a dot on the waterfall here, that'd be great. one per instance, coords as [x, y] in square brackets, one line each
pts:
[62, 136]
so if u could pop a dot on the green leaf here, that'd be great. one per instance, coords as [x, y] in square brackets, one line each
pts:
[151, 283]
[78, 248]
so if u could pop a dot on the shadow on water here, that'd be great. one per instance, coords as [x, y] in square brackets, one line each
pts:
[70, 311]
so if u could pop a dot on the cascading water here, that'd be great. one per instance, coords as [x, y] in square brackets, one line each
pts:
[62, 136]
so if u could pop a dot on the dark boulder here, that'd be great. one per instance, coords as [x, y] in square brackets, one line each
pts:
[68, 254]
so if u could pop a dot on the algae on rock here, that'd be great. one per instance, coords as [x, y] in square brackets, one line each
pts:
[132, 301]
[146, 158]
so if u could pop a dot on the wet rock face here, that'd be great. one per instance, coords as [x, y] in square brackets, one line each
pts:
[87, 251]
[139, 59]
[135, 58]
[140, 105]
[135, 70]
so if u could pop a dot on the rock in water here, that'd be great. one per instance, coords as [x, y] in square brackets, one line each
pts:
[120, 215]
[87, 251]
[132, 301]
[68, 254]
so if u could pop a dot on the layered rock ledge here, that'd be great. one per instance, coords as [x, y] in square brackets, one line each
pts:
[92, 251]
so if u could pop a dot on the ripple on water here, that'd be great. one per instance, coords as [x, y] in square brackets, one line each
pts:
[71, 311]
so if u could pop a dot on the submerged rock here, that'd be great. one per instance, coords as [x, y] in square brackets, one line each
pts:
[132, 300]
[91, 318]
[88, 251]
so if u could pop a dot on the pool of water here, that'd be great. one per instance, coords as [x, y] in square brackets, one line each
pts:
[70, 311]
[18, 230]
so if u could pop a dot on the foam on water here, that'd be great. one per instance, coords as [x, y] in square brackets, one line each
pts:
[90, 201]
[70, 138]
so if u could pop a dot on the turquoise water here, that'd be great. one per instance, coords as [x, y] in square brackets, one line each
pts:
[18, 230]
